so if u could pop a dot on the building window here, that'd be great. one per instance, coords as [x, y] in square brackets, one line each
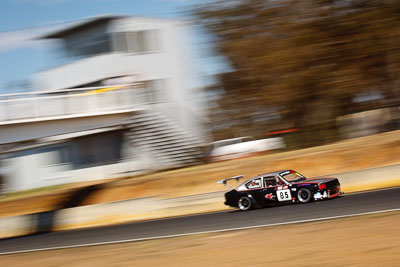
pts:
[120, 42]
[150, 41]
[97, 149]
[132, 42]
[91, 47]
[140, 41]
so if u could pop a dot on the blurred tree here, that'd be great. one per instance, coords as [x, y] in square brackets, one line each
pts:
[306, 60]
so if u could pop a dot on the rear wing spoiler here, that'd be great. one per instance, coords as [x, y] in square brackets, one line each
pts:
[237, 178]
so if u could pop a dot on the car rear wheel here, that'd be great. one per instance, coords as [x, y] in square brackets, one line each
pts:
[245, 203]
[304, 195]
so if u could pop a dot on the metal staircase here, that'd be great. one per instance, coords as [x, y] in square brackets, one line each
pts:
[168, 144]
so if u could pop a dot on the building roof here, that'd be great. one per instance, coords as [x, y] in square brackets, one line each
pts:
[96, 21]
[85, 24]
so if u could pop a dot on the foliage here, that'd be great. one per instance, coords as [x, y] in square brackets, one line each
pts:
[305, 60]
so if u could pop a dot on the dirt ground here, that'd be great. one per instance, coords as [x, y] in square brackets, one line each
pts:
[340, 157]
[371, 240]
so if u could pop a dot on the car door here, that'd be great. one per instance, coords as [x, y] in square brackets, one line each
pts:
[283, 191]
[269, 189]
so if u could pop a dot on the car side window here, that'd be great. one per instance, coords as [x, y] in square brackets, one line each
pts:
[255, 183]
[279, 181]
[269, 181]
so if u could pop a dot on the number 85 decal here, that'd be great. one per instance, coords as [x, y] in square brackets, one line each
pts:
[284, 195]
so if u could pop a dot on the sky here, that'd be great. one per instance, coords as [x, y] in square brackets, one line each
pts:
[21, 19]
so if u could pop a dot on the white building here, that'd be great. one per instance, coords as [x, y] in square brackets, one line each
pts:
[121, 103]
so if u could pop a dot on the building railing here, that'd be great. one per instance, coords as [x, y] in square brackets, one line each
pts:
[71, 102]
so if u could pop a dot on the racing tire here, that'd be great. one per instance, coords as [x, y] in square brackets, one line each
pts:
[245, 203]
[304, 195]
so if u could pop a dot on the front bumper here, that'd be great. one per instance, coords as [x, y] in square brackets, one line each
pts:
[326, 194]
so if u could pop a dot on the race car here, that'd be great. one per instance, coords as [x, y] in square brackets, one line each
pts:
[278, 187]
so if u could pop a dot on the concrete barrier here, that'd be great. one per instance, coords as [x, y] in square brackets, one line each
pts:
[137, 210]
[368, 179]
[153, 208]
[15, 226]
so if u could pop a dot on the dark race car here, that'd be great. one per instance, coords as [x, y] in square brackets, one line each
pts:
[279, 187]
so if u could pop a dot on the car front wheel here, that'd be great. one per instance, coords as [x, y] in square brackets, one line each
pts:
[245, 203]
[304, 195]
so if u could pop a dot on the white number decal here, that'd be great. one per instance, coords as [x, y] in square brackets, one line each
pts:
[284, 195]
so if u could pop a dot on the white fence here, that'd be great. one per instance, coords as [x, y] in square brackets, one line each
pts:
[71, 102]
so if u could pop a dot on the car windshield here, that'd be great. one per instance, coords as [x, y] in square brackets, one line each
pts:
[292, 176]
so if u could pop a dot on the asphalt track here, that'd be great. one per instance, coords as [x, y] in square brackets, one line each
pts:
[346, 205]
